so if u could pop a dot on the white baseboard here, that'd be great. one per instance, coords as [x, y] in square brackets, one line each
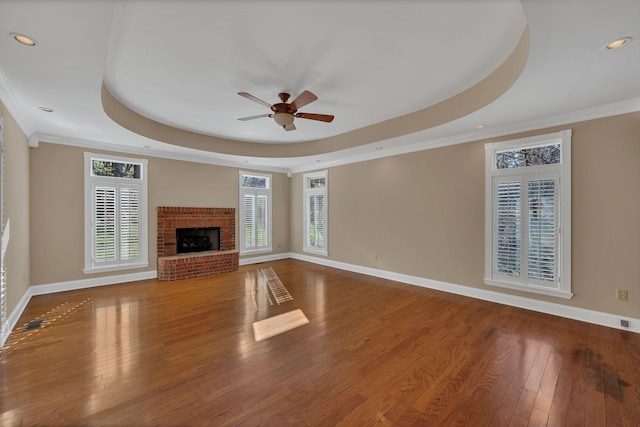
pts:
[266, 258]
[15, 315]
[91, 283]
[50, 288]
[561, 310]
[575, 313]
[4, 333]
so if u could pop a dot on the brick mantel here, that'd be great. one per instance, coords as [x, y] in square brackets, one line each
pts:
[170, 218]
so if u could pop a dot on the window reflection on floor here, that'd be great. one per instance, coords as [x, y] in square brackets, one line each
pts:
[115, 354]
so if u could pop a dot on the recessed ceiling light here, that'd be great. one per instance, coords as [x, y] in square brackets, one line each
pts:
[46, 109]
[481, 126]
[25, 40]
[617, 43]
[378, 147]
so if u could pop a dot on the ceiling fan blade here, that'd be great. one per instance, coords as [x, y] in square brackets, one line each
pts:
[290, 127]
[321, 117]
[253, 98]
[255, 117]
[303, 99]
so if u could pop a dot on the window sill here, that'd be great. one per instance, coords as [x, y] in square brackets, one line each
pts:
[316, 251]
[92, 270]
[530, 289]
[256, 251]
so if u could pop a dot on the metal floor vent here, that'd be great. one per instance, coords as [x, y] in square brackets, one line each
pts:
[34, 324]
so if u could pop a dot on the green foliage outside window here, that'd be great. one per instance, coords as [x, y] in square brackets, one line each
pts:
[115, 169]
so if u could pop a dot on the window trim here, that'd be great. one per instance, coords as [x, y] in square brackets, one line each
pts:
[4, 239]
[89, 183]
[315, 191]
[257, 191]
[563, 169]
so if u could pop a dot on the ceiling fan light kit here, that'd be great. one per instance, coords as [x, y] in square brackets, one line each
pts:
[283, 119]
[284, 113]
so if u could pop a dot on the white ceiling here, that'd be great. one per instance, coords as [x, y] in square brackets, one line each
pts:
[181, 63]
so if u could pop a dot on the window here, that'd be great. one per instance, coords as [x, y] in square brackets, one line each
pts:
[528, 214]
[255, 213]
[115, 213]
[4, 238]
[315, 212]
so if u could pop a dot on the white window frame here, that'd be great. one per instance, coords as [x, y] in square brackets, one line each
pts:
[562, 172]
[4, 238]
[90, 182]
[307, 193]
[244, 250]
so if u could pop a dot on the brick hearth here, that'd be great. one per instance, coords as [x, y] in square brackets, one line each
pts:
[182, 266]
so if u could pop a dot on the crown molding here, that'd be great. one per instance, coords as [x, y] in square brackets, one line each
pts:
[608, 110]
[11, 102]
[205, 158]
[391, 147]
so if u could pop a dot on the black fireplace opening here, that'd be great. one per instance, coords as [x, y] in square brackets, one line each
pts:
[197, 239]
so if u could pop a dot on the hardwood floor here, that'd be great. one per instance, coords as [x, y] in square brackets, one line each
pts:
[373, 352]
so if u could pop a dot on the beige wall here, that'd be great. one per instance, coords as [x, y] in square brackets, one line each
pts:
[16, 208]
[422, 214]
[57, 198]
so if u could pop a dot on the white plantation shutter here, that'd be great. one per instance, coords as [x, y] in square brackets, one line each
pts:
[542, 247]
[261, 222]
[526, 235]
[310, 221]
[116, 224]
[129, 223]
[319, 221]
[104, 225]
[249, 221]
[508, 234]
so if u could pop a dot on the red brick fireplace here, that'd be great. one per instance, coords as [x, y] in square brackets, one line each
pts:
[173, 266]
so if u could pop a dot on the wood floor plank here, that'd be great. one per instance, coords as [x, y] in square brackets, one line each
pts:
[557, 416]
[611, 387]
[623, 353]
[576, 408]
[594, 390]
[548, 382]
[374, 352]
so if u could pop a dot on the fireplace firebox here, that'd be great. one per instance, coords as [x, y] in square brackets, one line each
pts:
[197, 239]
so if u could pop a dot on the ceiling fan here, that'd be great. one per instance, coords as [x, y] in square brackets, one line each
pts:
[284, 113]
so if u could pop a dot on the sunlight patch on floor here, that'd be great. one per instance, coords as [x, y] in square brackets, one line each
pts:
[275, 325]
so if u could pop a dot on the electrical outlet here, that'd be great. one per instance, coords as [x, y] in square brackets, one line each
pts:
[622, 294]
[624, 323]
